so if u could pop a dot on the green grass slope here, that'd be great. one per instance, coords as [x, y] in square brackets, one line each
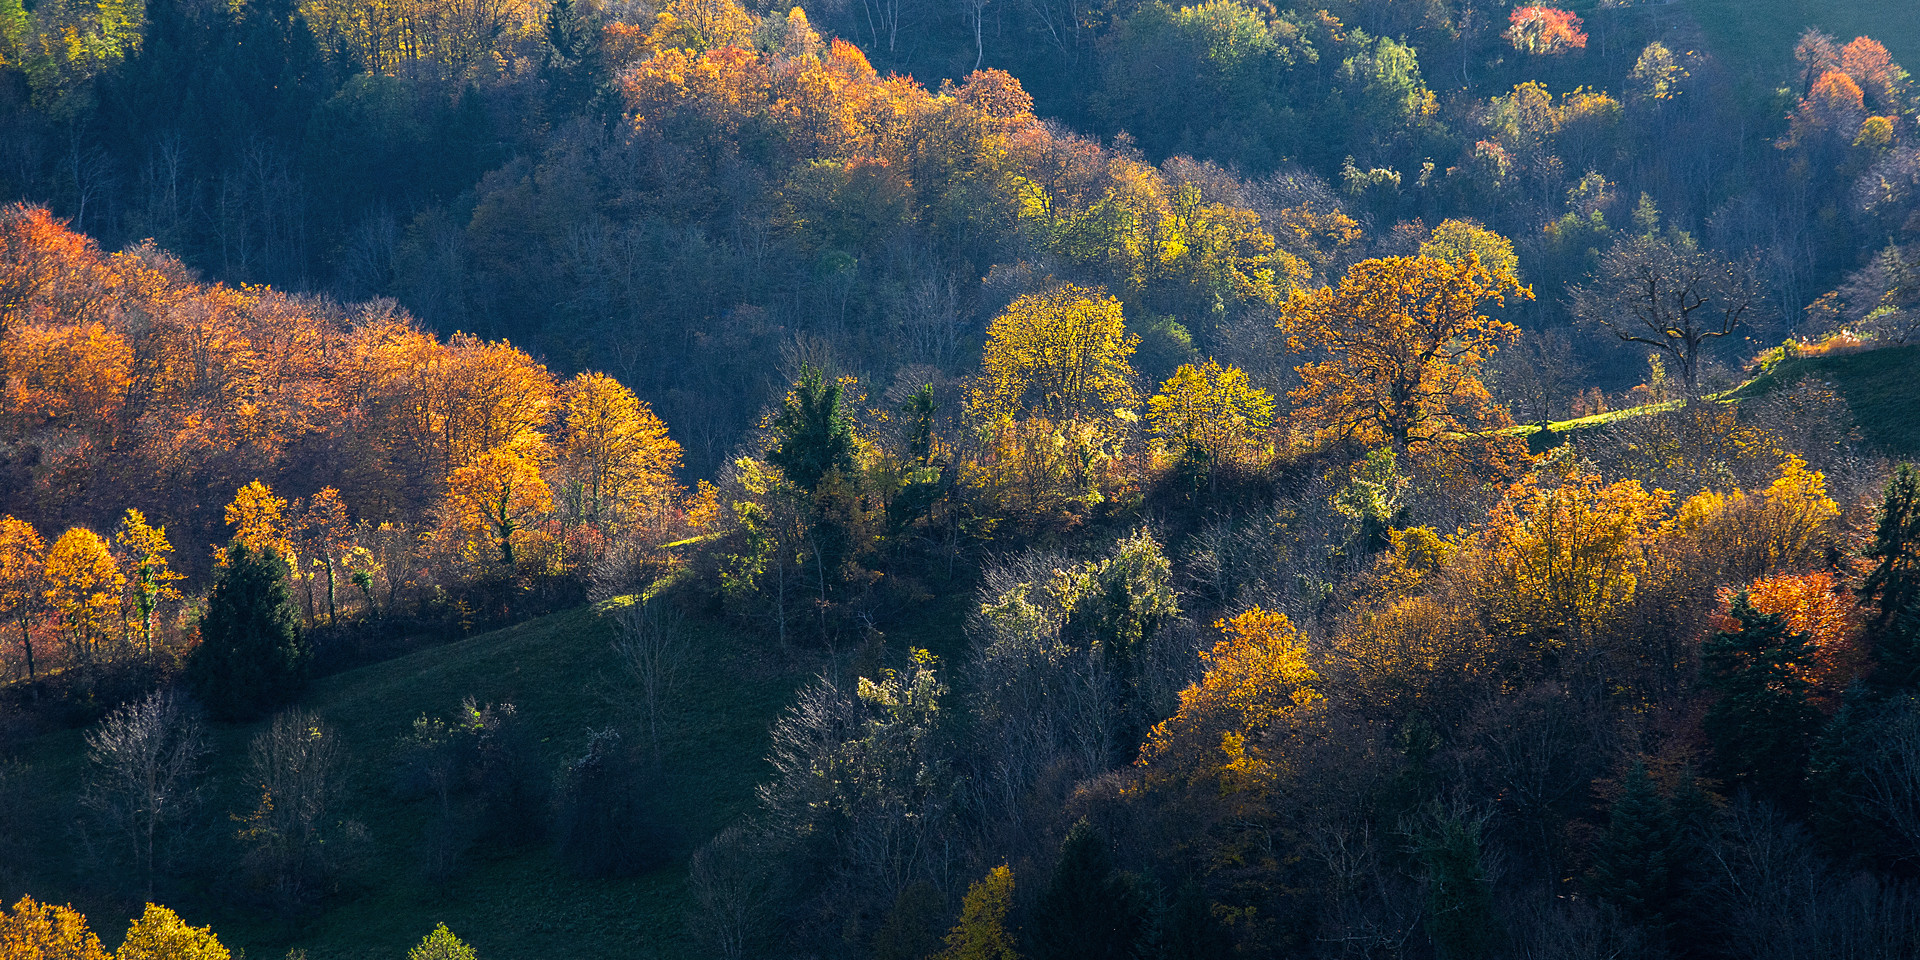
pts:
[1881, 387]
[519, 904]
[1763, 31]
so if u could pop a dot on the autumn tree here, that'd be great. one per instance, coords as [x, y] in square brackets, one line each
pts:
[616, 450]
[326, 535]
[160, 934]
[1544, 30]
[1210, 413]
[251, 657]
[1060, 355]
[1668, 294]
[497, 494]
[33, 931]
[1400, 344]
[23, 565]
[441, 944]
[150, 580]
[83, 587]
[981, 932]
[1258, 683]
[259, 519]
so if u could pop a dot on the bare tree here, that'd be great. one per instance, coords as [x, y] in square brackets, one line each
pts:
[1890, 782]
[734, 889]
[651, 646]
[143, 776]
[1668, 294]
[295, 841]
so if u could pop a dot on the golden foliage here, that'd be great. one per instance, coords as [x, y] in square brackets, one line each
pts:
[1059, 355]
[1819, 606]
[160, 934]
[1213, 410]
[1403, 341]
[83, 585]
[981, 932]
[1258, 680]
[42, 931]
[259, 520]
[494, 497]
[617, 450]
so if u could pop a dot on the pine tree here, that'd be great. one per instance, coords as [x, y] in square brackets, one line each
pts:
[1762, 722]
[1089, 910]
[251, 657]
[1185, 929]
[1635, 867]
[1460, 918]
[1894, 583]
[815, 433]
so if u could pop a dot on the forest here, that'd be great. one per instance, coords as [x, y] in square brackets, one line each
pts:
[979, 480]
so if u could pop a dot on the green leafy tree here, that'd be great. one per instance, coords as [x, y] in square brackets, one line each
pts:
[815, 433]
[441, 944]
[251, 657]
[1089, 910]
[1762, 720]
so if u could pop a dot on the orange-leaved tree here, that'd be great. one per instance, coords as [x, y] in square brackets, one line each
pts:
[1258, 679]
[498, 493]
[1817, 605]
[1398, 349]
[33, 930]
[23, 561]
[259, 520]
[1544, 30]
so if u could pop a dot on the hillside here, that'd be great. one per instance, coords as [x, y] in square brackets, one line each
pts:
[1878, 385]
[507, 904]
[1762, 31]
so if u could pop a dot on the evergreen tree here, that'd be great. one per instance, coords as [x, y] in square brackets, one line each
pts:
[1089, 910]
[1761, 722]
[1636, 867]
[1184, 928]
[1896, 654]
[815, 434]
[1460, 918]
[251, 658]
[1894, 583]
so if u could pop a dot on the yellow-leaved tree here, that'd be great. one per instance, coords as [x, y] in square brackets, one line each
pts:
[1257, 681]
[34, 930]
[1060, 355]
[616, 450]
[1396, 350]
[150, 580]
[259, 520]
[83, 585]
[160, 934]
[981, 933]
[1211, 413]
[498, 493]
[23, 565]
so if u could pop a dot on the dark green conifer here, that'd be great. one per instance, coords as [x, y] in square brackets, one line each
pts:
[251, 658]
[815, 433]
[1894, 583]
[1762, 721]
[1636, 866]
[1089, 910]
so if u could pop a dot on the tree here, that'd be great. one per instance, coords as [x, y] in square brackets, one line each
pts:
[441, 944]
[496, 494]
[1460, 916]
[981, 932]
[23, 565]
[1668, 294]
[294, 839]
[83, 585]
[1211, 413]
[1638, 863]
[653, 648]
[327, 535]
[1060, 355]
[251, 657]
[1544, 30]
[150, 578]
[259, 519]
[1258, 681]
[1404, 341]
[814, 434]
[142, 782]
[1762, 721]
[160, 934]
[33, 931]
[619, 450]
[1089, 910]
[1893, 585]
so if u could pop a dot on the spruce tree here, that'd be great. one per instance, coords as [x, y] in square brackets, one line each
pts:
[1636, 867]
[251, 658]
[1184, 928]
[1894, 583]
[1460, 918]
[815, 433]
[1089, 910]
[1762, 721]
